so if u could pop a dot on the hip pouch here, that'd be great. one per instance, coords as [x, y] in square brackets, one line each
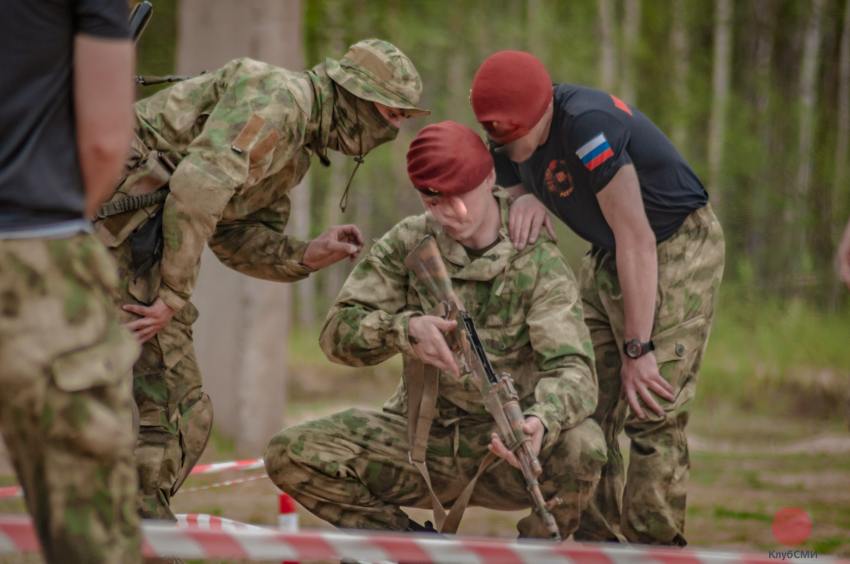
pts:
[138, 198]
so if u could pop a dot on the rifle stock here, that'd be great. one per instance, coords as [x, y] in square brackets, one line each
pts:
[498, 391]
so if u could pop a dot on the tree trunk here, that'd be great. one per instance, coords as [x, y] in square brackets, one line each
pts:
[763, 225]
[301, 221]
[241, 340]
[679, 48]
[608, 67]
[340, 169]
[720, 95]
[628, 59]
[534, 27]
[841, 202]
[806, 125]
[840, 199]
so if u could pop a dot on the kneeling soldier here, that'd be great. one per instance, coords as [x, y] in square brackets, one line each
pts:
[356, 468]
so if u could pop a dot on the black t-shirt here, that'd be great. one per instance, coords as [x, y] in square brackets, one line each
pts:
[40, 182]
[593, 134]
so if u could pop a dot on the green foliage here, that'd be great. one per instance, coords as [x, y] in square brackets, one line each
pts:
[787, 239]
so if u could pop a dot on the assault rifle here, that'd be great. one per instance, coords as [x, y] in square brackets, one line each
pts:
[498, 391]
[139, 18]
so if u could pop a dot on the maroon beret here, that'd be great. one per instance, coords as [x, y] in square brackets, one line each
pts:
[447, 158]
[510, 93]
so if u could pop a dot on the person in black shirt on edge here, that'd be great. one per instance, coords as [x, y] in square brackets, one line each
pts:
[649, 284]
[66, 116]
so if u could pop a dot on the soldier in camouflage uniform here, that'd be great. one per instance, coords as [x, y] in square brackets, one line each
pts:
[649, 284]
[66, 406]
[229, 145]
[352, 468]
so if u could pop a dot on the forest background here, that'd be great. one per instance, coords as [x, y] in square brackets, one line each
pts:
[754, 93]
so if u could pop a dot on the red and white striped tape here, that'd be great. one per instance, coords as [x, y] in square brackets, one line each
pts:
[226, 483]
[202, 521]
[214, 468]
[257, 543]
[217, 467]
[10, 491]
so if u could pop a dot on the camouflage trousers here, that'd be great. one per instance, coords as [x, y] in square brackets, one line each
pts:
[175, 415]
[352, 470]
[66, 406]
[647, 504]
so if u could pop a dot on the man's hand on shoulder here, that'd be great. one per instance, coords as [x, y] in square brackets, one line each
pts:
[332, 246]
[429, 345]
[528, 216]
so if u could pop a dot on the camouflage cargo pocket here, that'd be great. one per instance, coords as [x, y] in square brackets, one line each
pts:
[677, 351]
[195, 427]
[90, 397]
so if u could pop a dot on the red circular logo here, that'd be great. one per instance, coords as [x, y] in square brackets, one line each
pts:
[791, 526]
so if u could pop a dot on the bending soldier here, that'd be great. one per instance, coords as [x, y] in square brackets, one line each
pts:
[212, 162]
[354, 469]
[649, 284]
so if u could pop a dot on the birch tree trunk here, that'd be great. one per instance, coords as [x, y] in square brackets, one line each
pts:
[841, 202]
[806, 124]
[608, 68]
[301, 222]
[720, 95]
[764, 223]
[363, 188]
[534, 27]
[333, 276]
[628, 58]
[679, 48]
[243, 329]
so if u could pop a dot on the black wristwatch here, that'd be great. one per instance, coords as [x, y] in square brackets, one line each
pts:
[634, 348]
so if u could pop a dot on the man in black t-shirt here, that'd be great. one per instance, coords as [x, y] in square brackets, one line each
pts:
[66, 406]
[648, 285]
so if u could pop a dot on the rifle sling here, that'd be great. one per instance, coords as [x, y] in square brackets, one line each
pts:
[422, 389]
[132, 203]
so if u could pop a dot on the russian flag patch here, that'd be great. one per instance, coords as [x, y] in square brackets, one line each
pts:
[595, 152]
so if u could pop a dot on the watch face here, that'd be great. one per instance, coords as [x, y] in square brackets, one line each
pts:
[633, 349]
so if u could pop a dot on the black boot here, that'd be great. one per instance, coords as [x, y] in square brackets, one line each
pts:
[414, 527]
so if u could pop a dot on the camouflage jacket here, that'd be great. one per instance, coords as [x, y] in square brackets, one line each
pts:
[240, 138]
[525, 304]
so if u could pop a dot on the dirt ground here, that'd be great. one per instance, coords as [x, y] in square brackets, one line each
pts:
[745, 467]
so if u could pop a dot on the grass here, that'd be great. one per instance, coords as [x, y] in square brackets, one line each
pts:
[725, 513]
[769, 356]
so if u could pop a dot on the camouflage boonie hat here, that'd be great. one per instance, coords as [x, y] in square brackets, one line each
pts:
[378, 71]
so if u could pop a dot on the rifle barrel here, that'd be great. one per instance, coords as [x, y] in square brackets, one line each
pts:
[478, 348]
